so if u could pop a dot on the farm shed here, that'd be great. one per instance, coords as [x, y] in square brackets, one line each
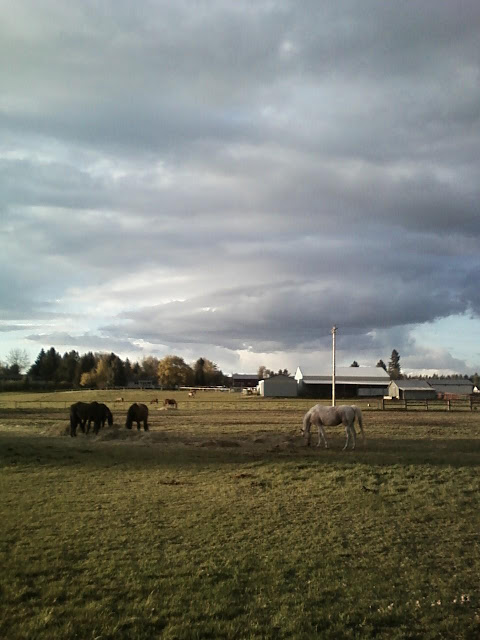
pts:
[244, 380]
[279, 386]
[411, 390]
[446, 388]
[350, 382]
[147, 383]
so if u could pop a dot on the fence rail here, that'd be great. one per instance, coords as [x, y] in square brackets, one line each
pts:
[263, 404]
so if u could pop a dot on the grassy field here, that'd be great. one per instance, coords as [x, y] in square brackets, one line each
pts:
[219, 523]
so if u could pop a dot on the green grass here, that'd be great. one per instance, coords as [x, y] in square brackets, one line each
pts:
[219, 523]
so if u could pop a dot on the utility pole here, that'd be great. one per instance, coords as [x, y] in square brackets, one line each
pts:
[334, 331]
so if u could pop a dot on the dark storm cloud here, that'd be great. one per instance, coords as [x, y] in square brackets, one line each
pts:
[251, 172]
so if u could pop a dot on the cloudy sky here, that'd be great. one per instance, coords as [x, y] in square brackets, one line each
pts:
[230, 179]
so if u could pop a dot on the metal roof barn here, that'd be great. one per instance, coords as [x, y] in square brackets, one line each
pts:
[350, 382]
[411, 389]
[445, 387]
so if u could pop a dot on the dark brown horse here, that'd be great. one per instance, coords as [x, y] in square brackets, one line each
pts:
[82, 414]
[100, 414]
[137, 413]
[170, 402]
[78, 417]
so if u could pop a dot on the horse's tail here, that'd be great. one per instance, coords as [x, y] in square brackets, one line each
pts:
[359, 417]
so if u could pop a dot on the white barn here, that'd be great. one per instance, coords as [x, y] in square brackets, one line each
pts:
[279, 386]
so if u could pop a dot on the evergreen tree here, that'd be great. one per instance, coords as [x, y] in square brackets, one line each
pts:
[128, 371]
[199, 372]
[394, 370]
[354, 364]
[36, 367]
[50, 365]
[67, 370]
[382, 365]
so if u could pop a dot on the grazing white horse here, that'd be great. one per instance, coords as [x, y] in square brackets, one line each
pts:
[322, 416]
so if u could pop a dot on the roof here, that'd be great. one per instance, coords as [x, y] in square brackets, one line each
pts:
[346, 375]
[245, 376]
[450, 382]
[413, 384]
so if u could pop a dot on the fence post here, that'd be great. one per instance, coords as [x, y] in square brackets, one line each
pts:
[405, 404]
[448, 405]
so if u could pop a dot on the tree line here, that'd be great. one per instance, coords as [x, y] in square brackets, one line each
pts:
[100, 370]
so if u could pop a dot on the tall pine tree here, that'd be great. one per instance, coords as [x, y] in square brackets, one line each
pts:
[394, 366]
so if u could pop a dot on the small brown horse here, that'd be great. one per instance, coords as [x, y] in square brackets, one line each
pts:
[137, 413]
[170, 402]
[154, 401]
[191, 394]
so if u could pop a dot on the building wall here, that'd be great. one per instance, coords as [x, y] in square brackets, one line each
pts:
[413, 394]
[278, 387]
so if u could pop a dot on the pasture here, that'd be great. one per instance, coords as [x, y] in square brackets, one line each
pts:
[220, 523]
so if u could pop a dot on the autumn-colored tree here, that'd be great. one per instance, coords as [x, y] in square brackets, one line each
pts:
[173, 371]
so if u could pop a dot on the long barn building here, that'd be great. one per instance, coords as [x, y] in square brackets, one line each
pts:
[350, 382]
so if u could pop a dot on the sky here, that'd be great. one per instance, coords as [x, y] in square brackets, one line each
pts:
[230, 179]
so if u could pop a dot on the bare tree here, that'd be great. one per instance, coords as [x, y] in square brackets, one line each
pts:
[17, 360]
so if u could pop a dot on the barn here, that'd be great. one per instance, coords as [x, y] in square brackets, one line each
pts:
[350, 382]
[279, 386]
[411, 389]
[450, 388]
[244, 380]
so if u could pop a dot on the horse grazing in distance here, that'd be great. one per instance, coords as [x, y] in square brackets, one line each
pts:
[120, 399]
[100, 414]
[170, 402]
[154, 401]
[191, 394]
[137, 413]
[322, 416]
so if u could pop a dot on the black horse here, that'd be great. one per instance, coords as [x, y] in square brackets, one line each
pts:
[79, 413]
[82, 414]
[100, 414]
[137, 413]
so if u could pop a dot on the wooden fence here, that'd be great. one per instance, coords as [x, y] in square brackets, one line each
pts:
[262, 404]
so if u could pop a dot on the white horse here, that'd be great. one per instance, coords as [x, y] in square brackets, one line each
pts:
[323, 416]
